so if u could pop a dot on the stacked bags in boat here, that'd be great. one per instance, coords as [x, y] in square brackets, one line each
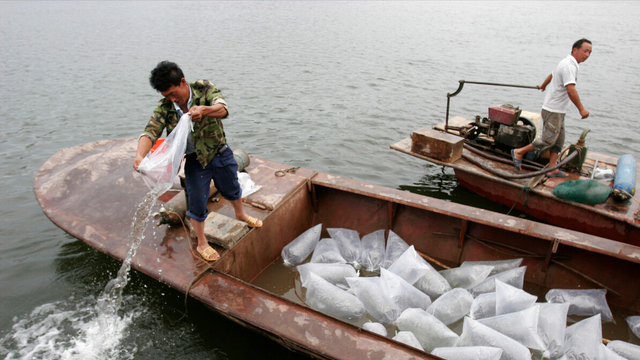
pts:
[499, 319]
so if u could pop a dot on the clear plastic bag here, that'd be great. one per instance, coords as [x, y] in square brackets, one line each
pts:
[402, 293]
[452, 306]
[407, 337]
[373, 250]
[583, 302]
[468, 353]
[634, 325]
[160, 167]
[484, 306]
[582, 339]
[395, 248]
[604, 353]
[331, 300]
[301, 247]
[349, 244]
[466, 276]
[375, 327]
[498, 265]
[521, 326]
[333, 273]
[410, 266]
[476, 334]
[371, 292]
[511, 299]
[552, 325]
[430, 331]
[432, 283]
[624, 349]
[327, 252]
[513, 277]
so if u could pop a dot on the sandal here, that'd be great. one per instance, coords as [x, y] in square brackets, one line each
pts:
[253, 222]
[209, 254]
[560, 174]
[516, 162]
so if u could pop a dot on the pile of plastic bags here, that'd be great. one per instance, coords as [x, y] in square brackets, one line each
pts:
[403, 294]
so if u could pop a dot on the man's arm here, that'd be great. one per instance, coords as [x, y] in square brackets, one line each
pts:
[546, 82]
[144, 145]
[200, 111]
[575, 99]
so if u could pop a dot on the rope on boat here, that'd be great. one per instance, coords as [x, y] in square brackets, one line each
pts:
[526, 199]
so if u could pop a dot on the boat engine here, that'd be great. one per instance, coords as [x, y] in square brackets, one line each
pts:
[503, 128]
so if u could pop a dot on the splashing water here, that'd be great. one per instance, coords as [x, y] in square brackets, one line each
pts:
[89, 328]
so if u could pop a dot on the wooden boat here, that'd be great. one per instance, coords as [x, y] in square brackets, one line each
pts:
[92, 192]
[492, 177]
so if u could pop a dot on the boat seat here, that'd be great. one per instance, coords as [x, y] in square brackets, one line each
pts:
[274, 188]
[222, 230]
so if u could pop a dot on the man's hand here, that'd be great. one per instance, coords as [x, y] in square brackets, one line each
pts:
[541, 87]
[137, 162]
[196, 112]
[584, 113]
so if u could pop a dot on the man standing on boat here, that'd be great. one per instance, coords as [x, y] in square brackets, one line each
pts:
[555, 105]
[207, 155]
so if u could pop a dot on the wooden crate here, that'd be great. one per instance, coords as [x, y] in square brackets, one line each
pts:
[436, 144]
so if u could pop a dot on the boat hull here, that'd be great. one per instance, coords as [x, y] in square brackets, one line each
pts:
[92, 192]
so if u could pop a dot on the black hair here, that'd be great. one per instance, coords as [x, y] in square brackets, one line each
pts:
[578, 44]
[165, 75]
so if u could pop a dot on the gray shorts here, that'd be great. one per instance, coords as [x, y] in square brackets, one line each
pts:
[552, 138]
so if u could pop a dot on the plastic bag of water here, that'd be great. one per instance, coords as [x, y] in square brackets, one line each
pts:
[395, 248]
[582, 339]
[521, 326]
[552, 324]
[467, 276]
[410, 266]
[452, 306]
[433, 284]
[484, 306]
[349, 244]
[476, 334]
[371, 292]
[604, 353]
[327, 252]
[301, 247]
[331, 300]
[583, 302]
[373, 250]
[402, 293]
[498, 265]
[333, 273]
[160, 167]
[624, 349]
[511, 299]
[375, 327]
[513, 277]
[468, 353]
[430, 331]
[407, 337]
[634, 325]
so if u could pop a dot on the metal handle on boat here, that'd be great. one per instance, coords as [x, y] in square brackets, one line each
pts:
[462, 82]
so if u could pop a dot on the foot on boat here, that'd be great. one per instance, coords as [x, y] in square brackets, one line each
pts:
[253, 222]
[516, 162]
[209, 254]
[560, 174]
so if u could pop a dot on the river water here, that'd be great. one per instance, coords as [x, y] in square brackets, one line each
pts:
[322, 85]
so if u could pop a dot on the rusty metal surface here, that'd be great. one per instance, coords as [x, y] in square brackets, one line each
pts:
[92, 192]
[616, 221]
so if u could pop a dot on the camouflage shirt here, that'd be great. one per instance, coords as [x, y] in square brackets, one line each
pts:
[207, 135]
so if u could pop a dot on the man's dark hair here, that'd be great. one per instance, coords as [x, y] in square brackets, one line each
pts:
[165, 75]
[578, 44]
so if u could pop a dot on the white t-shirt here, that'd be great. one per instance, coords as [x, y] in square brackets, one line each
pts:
[557, 100]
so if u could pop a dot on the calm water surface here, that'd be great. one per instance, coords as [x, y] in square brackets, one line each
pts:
[322, 85]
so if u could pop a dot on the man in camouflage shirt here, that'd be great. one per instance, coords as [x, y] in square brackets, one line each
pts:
[207, 155]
